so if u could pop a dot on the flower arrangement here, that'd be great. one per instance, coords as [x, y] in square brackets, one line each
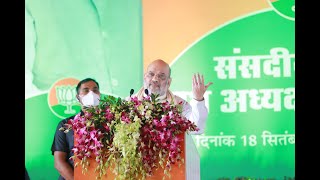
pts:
[131, 137]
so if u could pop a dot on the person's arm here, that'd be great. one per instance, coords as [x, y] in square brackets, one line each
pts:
[59, 150]
[196, 111]
[62, 165]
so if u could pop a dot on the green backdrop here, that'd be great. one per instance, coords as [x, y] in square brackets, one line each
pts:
[250, 129]
[251, 63]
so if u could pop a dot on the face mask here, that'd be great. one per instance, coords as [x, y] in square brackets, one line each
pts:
[90, 99]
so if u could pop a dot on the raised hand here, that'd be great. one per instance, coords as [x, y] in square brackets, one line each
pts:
[198, 87]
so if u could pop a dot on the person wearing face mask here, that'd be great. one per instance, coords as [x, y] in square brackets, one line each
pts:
[157, 80]
[88, 95]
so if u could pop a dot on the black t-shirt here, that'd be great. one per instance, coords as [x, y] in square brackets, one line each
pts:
[64, 142]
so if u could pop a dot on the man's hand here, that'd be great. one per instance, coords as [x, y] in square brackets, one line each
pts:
[198, 87]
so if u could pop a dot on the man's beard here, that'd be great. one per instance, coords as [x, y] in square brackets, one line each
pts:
[156, 90]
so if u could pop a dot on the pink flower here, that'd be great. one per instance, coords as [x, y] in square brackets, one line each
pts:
[83, 131]
[125, 118]
[109, 116]
[161, 125]
[106, 127]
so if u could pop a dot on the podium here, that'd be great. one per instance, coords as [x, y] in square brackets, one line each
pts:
[189, 170]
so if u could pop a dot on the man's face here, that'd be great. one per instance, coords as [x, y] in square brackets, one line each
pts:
[157, 79]
[88, 86]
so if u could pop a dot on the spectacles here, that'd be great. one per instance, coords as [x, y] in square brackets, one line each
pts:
[159, 76]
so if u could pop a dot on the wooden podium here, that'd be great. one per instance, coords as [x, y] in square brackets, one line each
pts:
[189, 170]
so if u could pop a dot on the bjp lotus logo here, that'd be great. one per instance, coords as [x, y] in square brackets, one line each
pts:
[62, 98]
[285, 8]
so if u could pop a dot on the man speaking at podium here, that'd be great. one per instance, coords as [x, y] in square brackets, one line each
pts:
[157, 80]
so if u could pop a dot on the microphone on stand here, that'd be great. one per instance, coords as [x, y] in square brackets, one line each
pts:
[146, 92]
[131, 92]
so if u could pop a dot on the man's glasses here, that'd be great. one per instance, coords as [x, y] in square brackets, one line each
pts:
[159, 76]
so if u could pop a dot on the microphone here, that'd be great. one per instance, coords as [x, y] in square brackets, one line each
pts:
[131, 92]
[146, 92]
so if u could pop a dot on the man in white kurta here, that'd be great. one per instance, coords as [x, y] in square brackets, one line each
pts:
[157, 80]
